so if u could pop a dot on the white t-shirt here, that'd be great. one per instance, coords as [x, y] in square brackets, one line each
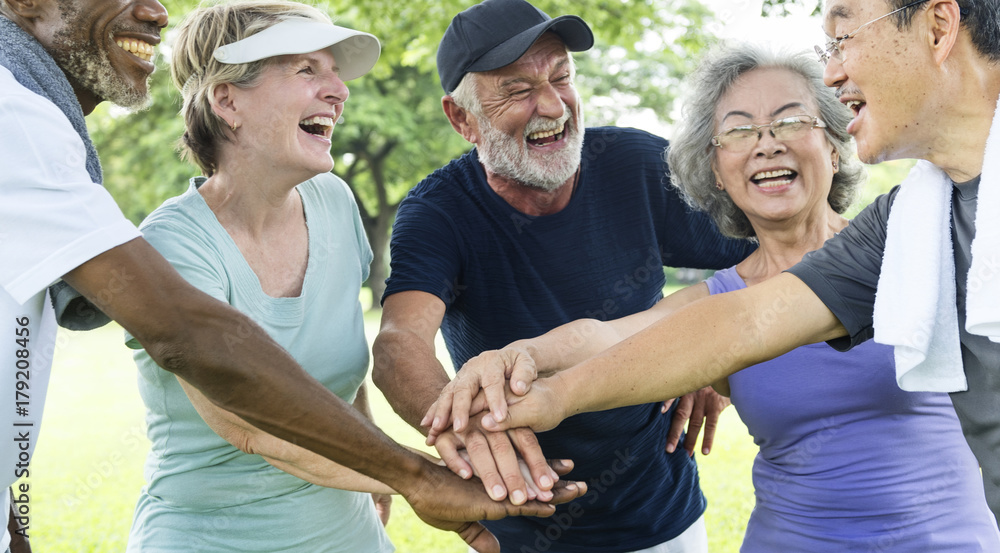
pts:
[53, 218]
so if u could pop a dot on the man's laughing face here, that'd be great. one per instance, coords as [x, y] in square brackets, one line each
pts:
[106, 48]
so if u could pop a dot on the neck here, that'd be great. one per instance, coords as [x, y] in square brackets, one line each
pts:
[967, 113]
[531, 200]
[88, 101]
[783, 244]
[251, 201]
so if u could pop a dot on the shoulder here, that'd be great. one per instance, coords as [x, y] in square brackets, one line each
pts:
[875, 216]
[328, 185]
[29, 119]
[618, 149]
[597, 139]
[454, 178]
[183, 220]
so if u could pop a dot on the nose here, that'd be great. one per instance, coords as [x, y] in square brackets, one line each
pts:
[549, 103]
[833, 72]
[767, 145]
[334, 90]
[151, 11]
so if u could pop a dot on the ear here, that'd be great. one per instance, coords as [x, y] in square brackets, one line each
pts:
[224, 103]
[461, 120]
[944, 19]
[715, 173]
[25, 9]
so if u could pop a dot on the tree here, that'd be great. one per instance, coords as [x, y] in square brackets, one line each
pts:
[394, 131]
[780, 7]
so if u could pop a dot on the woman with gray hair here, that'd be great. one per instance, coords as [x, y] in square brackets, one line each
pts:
[847, 461]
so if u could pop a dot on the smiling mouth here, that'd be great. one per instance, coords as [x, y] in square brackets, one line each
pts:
[541, 138]
[773, 179]
[319, 126]
[855, 106]
[138, 48]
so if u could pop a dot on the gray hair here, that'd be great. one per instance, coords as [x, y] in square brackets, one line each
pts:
[196, 73]
[691, 154]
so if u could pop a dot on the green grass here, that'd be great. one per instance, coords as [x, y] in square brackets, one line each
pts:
[87, 469]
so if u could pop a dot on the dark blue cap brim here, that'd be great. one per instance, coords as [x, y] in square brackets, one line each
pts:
[573, 31]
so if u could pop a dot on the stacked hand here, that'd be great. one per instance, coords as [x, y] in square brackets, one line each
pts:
[505, 383]
[449, 503]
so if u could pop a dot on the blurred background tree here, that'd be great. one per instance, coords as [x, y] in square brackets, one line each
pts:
[395, 132]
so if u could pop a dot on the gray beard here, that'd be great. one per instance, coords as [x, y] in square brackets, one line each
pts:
[85, 64]
[506, 156]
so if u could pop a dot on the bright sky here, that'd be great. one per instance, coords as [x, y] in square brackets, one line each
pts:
[740, 19]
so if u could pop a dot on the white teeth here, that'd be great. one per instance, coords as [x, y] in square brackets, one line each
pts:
[138, 48]
[854, 103]
[771, 174]
[545, 134]
[317, 120]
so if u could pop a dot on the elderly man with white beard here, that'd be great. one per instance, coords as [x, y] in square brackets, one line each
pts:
[542, 223]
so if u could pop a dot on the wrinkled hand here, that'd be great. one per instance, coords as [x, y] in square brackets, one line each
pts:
[697, 410]
[494, 372]
[445, 501]
[541, 409]
[510, 464]
[383, 504]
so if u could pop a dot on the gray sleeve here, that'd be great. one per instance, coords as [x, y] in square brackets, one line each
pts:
[73, 311]
[844, 272]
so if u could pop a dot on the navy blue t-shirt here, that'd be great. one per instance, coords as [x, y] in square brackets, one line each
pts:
[505, 276]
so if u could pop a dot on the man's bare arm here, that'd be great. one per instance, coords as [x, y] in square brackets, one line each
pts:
[239, 368]
[697, 345]
[408, 372]
[231, 360]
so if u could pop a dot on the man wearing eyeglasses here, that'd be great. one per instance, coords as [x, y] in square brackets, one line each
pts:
[918, 269]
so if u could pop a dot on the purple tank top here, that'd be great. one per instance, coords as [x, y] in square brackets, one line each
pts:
[848, 461]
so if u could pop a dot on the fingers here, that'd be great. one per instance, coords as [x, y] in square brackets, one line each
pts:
[562, 467]
[448, 447]
[383, 507]
[481, 457]
[681, 416]
[542, 474]
[708, 439]
[666, 406]
[715, 405]
[564, 492]
[505, 457]
[479, 538]
[522, 375]
[697, 419]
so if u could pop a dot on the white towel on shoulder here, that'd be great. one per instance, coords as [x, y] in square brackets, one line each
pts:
[915, 304]
[915, 310]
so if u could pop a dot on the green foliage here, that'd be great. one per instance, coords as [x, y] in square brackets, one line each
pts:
[394, 131]
[780, 7]
[141, 166]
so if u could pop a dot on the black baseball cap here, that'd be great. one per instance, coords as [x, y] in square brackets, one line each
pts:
[496, 33]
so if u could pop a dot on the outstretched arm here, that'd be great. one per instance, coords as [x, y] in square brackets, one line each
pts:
[701, 343]
[517, 365]
[283, 455]
[408, 372]
[237, 366]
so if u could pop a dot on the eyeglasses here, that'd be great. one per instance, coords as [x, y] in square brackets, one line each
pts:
[744, 137]
[833, 48]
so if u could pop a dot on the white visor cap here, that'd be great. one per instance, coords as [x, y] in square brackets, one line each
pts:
[354, 51]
